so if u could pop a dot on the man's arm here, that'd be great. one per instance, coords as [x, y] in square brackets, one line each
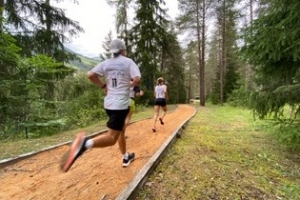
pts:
[136, 81]
[137, 91]
[95, 79]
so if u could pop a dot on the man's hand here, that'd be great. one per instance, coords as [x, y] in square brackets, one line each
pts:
[135, 81]
[141, 93]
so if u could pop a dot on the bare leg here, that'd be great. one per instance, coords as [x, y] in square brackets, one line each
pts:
[164, 112]
[127, 121]
[122, 141]
[156, 113]
[122, 137]
[108, 139]
[128, 118]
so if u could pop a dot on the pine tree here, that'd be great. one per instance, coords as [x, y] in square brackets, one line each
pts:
[174, 72]
[193, 17]
[105, 45]
[275, 58]
[122, 23]
[148, 36]
[46, 29]
[191, 69]
[226, 33]
[213, 65]
[27, 76]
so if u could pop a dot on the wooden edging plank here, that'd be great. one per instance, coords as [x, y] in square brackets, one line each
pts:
[131, 190]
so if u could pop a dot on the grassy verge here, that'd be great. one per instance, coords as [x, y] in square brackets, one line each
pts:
[14, 148]
[225, 154]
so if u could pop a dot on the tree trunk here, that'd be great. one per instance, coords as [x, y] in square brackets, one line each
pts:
[48, 28]
[162, 61]
[1, 14]
[199, 46]
[223, 64]
[202, 66]
[125, 26]
[249, 72]
[189, 88]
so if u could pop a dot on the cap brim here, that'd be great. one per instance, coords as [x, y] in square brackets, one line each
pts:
[114, 51]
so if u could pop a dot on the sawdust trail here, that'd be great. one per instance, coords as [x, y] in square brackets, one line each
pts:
[96, 173]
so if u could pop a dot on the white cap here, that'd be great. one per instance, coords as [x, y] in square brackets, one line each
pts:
[116, 46]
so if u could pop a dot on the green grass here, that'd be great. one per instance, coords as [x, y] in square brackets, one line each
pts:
[12, 148]
[225, 154]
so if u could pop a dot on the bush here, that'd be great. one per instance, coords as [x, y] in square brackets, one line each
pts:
[239, 98]
[288, 133]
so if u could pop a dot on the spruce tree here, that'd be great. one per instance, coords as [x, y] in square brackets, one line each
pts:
[272, 47]
[148, 36]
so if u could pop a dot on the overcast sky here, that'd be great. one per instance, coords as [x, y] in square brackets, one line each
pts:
[97, 19]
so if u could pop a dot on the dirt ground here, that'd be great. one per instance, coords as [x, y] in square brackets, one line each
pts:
[97, 174]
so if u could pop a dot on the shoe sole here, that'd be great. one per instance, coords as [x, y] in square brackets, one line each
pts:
[71, 155]
[127, 164]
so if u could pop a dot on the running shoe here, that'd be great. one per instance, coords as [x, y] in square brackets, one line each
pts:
[76, 150]
[126, 162]
[161, 121]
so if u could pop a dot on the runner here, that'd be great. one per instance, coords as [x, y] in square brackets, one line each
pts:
[135, 91]
[118, 72]
[161, 95]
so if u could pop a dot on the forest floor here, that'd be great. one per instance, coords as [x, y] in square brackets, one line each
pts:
[97, 173]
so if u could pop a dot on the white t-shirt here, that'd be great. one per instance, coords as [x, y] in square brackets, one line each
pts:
[118, 72]
[160, 91]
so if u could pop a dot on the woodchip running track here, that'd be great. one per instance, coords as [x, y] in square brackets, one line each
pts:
[98, 173]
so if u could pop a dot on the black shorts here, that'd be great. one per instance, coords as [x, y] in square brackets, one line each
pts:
[160, 102]
[116, 119]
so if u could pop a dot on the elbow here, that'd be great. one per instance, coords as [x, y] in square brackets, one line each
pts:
[90, 75]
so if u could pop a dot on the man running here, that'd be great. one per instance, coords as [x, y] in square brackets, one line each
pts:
[118, 72]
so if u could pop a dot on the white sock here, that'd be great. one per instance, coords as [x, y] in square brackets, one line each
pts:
[89, 144]
[125, 156]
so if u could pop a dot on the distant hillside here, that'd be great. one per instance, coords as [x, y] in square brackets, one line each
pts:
[84, 63]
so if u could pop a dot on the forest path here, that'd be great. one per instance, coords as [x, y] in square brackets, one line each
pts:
[97, 173]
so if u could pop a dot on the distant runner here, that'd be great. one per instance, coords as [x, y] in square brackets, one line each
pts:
[161, 95]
